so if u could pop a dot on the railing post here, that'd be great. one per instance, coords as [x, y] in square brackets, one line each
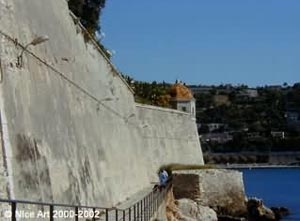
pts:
[156, 201]
[151, 204]
[145, 208]
[138, 211]
[124, 215]
[129, 214]
[76, 213]
[134, 212]
[141, 212]
[106, 214]
[51, 209]
[94, 212]
[117, 218]
[150, 209]
[13, 211]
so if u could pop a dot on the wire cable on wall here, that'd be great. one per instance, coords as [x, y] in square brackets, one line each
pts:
[84, 91]
[62, 75]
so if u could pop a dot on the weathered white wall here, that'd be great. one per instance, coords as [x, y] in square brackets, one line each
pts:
[169, 136]
[59, 144]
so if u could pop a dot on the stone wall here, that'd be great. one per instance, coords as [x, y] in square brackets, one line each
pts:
[169, 136]
[222, 190]
[71, 131]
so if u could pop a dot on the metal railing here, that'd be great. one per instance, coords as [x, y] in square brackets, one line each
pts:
[143, 210]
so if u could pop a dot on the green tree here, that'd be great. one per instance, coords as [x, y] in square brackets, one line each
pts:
[89, 12]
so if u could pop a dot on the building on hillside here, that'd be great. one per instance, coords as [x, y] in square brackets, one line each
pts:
[221, 100]
[182, 99]
[254, 136]
[215, 126]
[247, 94]
[250, 92]
[224, 89]
[211, 127]
[274, 87]
[201, 89]
[293, 118]
[278, 134]
[216, 137]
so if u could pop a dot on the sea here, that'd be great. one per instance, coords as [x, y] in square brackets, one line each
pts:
[277, 187]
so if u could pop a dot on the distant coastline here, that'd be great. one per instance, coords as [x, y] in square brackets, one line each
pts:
[256, 166]
[255, 158]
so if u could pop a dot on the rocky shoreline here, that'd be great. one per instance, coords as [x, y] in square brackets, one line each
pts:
[257, 211]
[215, 195]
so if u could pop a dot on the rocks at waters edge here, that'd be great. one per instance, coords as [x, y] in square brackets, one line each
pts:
[230, 218]
[221, 191]
[190, 211]
[257, 211]
[187, 210]
[280, 212]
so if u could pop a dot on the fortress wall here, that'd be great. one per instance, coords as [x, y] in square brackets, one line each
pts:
[70, 129]
[169, 136]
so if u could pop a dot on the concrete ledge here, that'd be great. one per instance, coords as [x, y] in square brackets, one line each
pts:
[169, 110]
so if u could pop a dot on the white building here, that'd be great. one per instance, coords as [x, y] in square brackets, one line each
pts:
[182, 99]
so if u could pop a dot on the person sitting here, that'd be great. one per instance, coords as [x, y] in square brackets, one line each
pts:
[163, 178]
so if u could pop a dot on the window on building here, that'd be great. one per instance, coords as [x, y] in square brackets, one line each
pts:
[183, 109]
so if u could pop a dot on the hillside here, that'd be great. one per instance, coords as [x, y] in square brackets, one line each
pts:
[249, 119]
[237, 118]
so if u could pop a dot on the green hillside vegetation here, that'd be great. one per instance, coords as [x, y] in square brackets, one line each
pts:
[150, 93]
[89, 14]
[245, 116]
[249, 120]
[88, 11]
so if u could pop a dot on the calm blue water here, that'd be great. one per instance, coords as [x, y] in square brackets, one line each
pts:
[277, 187]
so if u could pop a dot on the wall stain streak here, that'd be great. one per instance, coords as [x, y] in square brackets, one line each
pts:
[34, 169]
[1, 72]
[27, 149]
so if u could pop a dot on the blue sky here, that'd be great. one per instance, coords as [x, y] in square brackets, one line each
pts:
[253, 42]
